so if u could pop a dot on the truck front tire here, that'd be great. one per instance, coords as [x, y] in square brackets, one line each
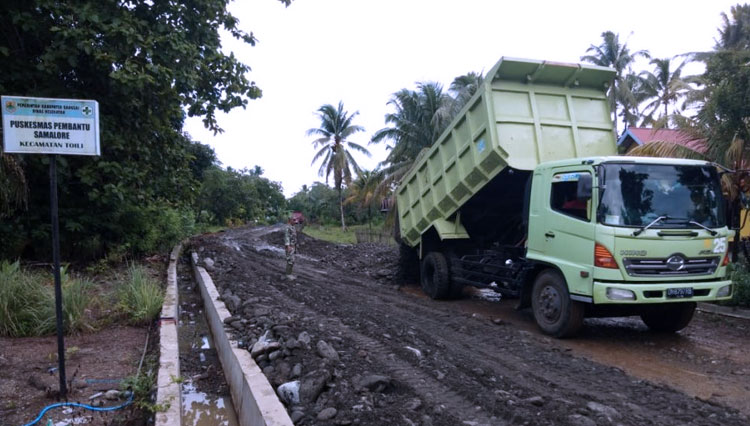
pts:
[669, 318]
[554, 311]
[435, 276]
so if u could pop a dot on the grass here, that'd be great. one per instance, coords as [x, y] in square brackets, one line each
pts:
[27, 302]
[140, 297]
[334, 233]
[24, 301]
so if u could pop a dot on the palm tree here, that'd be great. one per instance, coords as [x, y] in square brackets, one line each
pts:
[664, 86]
[335, 127]
[610, 53]
[419, 118]
[364, 191]
[463, 88]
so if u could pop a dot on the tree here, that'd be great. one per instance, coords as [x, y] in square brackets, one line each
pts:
[463, 88]
[610, 53]
[149, 64]
[364, 191]
[664, 86]
[418, 120]
[335, 128]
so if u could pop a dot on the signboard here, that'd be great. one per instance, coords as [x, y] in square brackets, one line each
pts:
[50, 126]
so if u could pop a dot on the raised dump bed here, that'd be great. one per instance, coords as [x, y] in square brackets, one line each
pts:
[527, 112]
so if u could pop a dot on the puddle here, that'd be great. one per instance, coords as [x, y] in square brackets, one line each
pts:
[205, 394]
[200, 409]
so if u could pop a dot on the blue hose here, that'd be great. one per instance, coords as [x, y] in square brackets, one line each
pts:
[76, 404]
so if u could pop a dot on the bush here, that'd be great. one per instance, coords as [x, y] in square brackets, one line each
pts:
[140, 297]
[24, 301]
[739, 273]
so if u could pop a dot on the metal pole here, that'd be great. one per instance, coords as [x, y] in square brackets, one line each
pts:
[56, 262]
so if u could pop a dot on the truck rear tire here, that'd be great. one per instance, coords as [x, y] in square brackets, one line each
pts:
[435, 276]
[554, 311]
[669, 318]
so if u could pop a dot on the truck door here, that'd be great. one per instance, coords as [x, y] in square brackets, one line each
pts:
[569, 228]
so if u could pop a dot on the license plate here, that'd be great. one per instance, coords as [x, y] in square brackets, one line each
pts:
[679, 293]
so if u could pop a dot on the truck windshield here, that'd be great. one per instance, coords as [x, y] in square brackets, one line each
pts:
[636, 194]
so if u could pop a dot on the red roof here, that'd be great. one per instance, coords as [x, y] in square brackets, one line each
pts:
[642, 135]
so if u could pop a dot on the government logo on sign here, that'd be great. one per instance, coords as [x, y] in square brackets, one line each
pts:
[10, 106]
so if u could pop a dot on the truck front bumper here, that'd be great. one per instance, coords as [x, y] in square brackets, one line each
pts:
[628, 293]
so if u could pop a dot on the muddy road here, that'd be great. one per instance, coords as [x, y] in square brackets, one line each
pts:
[349, 345]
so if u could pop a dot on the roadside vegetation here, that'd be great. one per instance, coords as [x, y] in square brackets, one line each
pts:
[27, 304]
[740, 275]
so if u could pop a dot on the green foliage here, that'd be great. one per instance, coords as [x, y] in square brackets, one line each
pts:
[148, 64]
[140, 297]
[229, 196]
[27, 302]
[739, 273]
[24, 301]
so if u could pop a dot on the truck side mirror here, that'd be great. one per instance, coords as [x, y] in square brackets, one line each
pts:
[583, 189]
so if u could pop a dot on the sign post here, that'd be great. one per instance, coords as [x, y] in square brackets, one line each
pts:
[52, 126]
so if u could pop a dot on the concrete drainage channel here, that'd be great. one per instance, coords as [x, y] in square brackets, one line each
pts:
[198, 331]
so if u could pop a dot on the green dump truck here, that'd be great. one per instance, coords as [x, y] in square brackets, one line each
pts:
[524, 194]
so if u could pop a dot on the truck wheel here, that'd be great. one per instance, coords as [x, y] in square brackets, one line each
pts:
[554, 312]
[436, 281]
[670, 317]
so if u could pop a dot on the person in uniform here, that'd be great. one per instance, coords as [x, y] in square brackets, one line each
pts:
[290, 245]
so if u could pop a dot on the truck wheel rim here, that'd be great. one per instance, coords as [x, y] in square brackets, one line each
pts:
[550, 304]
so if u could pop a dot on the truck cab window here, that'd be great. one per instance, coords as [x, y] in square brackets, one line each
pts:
[563, 196]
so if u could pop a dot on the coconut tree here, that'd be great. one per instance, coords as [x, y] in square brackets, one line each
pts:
[336, 126]
[664, 87]
[462, 89]
[610, 53]
[419, 118]
[363, 191]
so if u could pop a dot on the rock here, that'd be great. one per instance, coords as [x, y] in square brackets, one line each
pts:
[440, 375]
[535, 400]
[237, 325]
[289, 392]
[232, 302]
[602, 409]
[415, 351]
[580, 420]
[426, 420]
[327, 413]
[382, 273]
[297, 416]
[326, 351]
[230, 319]
[312, 385]
[304, 338]
[264, 345]
[296, 370]
[274, 355]
[414, 404]
[374, 383]
[292, 343]
[112, 395]
[209, 264]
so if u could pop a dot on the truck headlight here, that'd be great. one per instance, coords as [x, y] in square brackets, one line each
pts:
[724, 291]
[619, 294]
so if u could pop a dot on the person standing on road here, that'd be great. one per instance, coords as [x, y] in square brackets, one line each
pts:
[290, 245]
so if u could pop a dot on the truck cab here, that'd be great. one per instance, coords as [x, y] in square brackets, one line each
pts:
[627, 236]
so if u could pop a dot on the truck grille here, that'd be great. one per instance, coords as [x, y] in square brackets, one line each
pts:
[675, 265]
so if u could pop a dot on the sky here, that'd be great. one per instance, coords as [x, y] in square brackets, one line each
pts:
[318, 52]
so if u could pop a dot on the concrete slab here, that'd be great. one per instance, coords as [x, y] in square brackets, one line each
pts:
[728, 311]
[253, 396]
[168, 388]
